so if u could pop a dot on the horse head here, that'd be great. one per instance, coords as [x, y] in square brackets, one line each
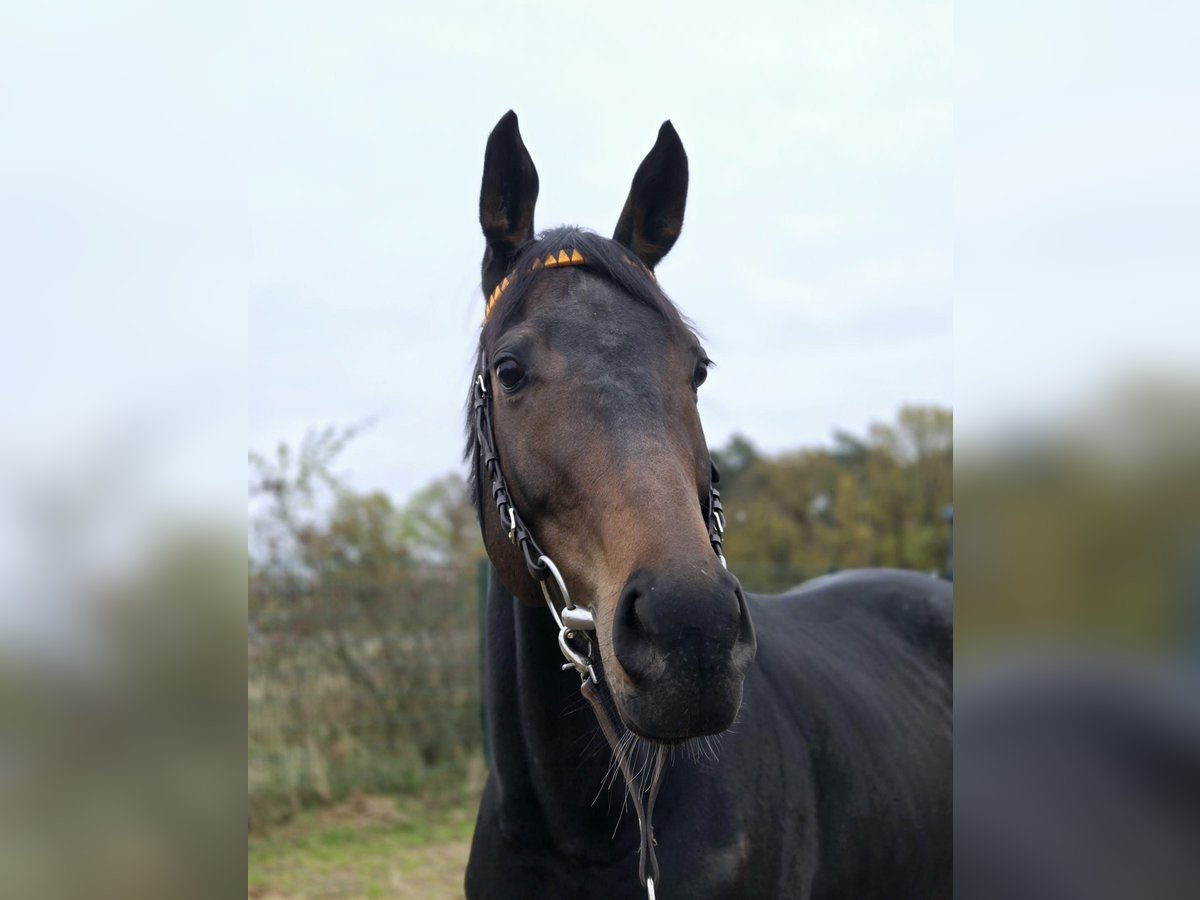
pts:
[590, 376]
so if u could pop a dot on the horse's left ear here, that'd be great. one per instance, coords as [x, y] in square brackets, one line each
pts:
[653, 215]
[506, 199]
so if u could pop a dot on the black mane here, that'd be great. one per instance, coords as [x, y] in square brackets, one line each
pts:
[606, 258]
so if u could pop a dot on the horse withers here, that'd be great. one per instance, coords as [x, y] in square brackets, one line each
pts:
[829, 774]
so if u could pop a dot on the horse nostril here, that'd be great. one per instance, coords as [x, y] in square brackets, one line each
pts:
[626, 612]
[727, 582]
[696, 622]
[632, 645]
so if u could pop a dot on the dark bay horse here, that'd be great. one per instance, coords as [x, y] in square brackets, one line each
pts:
[831, 775]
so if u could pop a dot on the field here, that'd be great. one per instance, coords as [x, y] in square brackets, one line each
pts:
[367, 846]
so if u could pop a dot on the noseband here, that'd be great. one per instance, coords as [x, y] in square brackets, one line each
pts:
[574, 622]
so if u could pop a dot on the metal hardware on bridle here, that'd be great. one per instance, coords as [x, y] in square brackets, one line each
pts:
[575, 622]
[485, 439]
[716, 515]
[572, 623]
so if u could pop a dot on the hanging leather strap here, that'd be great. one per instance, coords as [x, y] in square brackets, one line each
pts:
[645, 812]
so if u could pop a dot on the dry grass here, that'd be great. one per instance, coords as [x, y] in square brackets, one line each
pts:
[368, 846]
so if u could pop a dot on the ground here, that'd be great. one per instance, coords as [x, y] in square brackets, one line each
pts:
[368, 846]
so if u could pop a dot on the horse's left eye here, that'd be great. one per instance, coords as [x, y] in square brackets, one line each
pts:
[700, 374]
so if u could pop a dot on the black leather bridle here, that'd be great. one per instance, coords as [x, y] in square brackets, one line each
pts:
[575, 622]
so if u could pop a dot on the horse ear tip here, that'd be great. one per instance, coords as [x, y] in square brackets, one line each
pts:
[667, 135]
[507, 123]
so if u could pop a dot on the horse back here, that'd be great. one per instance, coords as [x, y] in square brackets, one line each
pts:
[914, 606]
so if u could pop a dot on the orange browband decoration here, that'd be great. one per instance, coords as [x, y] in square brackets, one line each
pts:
[564, 258]
[573, 258]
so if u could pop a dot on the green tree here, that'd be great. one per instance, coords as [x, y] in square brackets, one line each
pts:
[870, 500]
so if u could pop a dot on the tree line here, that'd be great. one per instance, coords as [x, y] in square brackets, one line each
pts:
[364, 611]
[874, 500]
[877, 499]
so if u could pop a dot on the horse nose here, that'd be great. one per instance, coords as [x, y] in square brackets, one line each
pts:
[661, 618]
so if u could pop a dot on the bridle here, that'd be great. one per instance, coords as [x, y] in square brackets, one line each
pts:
[576, 622]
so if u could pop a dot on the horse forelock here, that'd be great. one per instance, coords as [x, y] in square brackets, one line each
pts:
[603, 257]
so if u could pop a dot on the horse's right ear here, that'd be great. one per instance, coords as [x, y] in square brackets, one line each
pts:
[506, 200]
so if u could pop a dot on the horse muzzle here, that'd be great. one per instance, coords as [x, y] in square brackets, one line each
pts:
[685, 645]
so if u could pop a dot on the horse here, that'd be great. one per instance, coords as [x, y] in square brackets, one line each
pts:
[792, 746]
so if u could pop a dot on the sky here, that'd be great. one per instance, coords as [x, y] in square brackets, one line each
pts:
[816, 255]
[223, 225]
[1076, 208]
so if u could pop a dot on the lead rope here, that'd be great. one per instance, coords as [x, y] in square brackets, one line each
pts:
[574, 622]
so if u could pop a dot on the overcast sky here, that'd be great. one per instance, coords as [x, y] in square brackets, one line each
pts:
[815, 256]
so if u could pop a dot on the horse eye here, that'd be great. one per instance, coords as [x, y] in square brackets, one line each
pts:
[701, 373]
[510, 374]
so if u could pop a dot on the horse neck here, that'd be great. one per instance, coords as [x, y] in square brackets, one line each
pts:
[548, 752]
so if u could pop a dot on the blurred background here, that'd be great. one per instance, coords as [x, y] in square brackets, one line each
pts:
[207, 212]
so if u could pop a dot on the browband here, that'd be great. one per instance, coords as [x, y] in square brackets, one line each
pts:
[574, 258]
[565, 257]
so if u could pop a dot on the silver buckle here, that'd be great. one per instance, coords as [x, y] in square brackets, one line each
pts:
[577, 616]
